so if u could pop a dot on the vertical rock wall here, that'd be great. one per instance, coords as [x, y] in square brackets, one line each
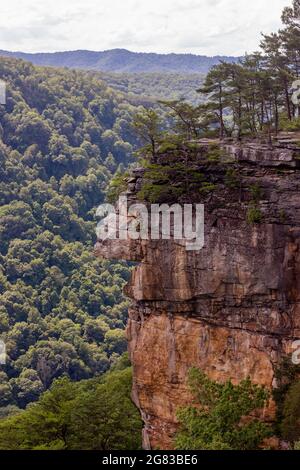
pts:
[231, 309]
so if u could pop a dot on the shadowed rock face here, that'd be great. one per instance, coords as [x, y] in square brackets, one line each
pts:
[231, 309]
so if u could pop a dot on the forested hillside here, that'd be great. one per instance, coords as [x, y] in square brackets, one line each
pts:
[62, 312]
[94, 414]
[121, 60]
[170, 86]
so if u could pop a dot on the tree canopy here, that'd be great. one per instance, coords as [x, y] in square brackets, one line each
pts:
[95, 414]
[62, 312]
[220, 417]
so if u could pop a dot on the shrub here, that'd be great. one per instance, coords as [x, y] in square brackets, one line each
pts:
[254, 215]
[117, 186]
[256, 192]
[290, 425]
[232, 180]
[221, 416]
[207, 188]
[290, 126]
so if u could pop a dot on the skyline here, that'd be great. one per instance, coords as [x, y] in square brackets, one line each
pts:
[201, 27]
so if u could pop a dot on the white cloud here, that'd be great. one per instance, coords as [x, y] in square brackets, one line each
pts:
[209, 27]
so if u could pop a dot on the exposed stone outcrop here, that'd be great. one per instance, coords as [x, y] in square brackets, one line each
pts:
[233, 308]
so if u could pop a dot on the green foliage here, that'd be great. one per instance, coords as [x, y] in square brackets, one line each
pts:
[290, 425]
[163, 183]
[288, 125]
[89, 415]
[215, 153]
[282, 216]
[254, 215]
[117, 185]
[167, 146]
[189, 121]
[252, 97]
[221, 418]
[232, 178]
[63, 134]
[207, 188]
[5, 390]
[256, 192]
[157, 86]
[147, 125]
[286, 375]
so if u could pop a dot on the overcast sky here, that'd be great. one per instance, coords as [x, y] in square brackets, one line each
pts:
[209, 27]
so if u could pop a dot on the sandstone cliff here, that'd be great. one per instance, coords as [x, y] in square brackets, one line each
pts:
[231, 309]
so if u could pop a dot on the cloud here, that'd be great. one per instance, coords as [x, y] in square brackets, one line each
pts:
[199, 26]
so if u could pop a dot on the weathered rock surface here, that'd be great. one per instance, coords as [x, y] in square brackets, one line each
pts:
[233, 308]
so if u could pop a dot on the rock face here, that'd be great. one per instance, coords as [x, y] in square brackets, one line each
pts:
[231, 309]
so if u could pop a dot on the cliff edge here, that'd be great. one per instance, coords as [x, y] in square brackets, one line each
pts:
[232, 308]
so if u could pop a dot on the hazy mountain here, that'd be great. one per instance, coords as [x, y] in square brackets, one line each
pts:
[121, 60]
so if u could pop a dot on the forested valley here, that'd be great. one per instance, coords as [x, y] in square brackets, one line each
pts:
[65, 135]
[62, 312]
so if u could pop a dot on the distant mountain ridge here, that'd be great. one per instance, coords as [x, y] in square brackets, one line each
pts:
[122, 60]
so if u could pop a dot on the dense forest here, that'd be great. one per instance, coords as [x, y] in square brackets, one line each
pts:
[63, 135]
[62, 312]
[157, 86]
[94, 414]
